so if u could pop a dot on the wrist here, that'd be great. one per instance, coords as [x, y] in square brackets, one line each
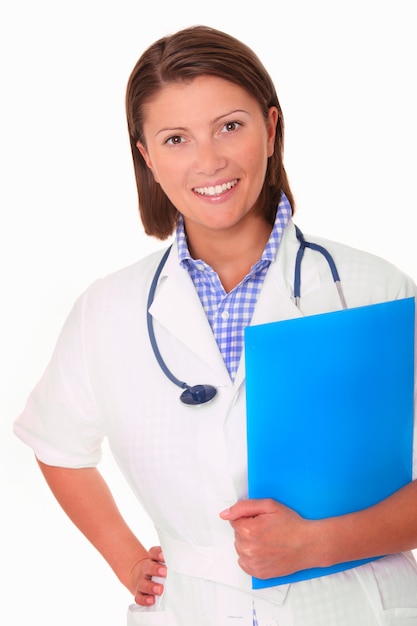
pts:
[325, 543]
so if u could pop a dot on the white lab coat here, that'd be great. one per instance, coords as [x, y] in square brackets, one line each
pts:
[186, 464]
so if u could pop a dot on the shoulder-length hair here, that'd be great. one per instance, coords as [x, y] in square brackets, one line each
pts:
[181, 57]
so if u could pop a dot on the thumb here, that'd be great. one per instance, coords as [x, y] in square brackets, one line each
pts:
[246, 508]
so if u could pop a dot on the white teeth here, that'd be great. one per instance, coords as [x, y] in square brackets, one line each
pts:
[217, 190]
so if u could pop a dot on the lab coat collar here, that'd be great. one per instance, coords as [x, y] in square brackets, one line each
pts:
[178, 308]
[318, 291]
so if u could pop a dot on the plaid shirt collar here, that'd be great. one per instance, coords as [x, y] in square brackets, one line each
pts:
[283, 215]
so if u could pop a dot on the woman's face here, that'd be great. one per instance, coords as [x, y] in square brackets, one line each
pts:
[207, 145]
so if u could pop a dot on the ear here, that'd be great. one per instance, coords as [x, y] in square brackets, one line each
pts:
[273, 116]
[146, 158]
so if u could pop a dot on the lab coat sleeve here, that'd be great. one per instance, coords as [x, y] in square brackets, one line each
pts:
[61, 421]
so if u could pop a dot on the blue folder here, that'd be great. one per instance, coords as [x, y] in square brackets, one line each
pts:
[330, 412]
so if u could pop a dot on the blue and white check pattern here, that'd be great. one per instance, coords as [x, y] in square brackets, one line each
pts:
[230, 313]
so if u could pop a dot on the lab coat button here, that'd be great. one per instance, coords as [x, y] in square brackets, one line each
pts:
[270, 622]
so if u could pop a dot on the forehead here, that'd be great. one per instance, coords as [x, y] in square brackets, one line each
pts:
[208, 95]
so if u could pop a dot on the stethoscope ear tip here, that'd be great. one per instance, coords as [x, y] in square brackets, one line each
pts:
[198, 394]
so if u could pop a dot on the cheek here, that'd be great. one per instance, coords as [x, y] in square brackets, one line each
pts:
[257, 161]
[173, 171]
[171, 180]
[165, 175]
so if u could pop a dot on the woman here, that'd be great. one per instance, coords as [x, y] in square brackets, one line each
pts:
[206, 132]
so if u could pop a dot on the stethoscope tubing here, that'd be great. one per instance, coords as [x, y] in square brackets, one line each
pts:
[297, 270]
[195, 395]
[151, 331]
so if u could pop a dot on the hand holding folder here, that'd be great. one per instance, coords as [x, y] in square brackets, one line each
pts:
[330, 412]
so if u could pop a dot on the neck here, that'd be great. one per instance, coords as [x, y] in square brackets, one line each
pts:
[230, 253]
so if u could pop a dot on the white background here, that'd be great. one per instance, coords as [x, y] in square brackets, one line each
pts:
[346, 77]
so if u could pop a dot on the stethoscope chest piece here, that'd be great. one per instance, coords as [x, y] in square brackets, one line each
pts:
[198, 394]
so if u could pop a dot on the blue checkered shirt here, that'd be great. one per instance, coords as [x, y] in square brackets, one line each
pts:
[230, 313]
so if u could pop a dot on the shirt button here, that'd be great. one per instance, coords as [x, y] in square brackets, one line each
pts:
[225, 315]
[200, 267]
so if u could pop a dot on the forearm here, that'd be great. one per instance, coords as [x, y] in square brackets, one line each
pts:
[86, 499]
[386, 528]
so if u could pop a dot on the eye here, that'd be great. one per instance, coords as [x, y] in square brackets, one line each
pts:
[175, 140]
[229, 127]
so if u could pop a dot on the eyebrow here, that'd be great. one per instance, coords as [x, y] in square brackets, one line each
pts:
[174, 129]
[179, 129]
[234, 112]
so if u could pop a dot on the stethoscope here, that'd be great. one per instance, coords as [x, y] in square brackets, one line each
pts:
[297, 271]
[197, 395]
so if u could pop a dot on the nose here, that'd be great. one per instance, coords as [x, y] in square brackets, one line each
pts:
[209, 158]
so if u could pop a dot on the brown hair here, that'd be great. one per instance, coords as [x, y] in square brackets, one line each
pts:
[180, 57]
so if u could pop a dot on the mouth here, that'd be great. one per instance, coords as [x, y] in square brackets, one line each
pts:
[215, 190]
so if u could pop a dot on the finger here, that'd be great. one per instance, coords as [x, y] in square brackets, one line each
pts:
[156, 554]
[148, 589]
[151, 569]
[247, 508]
[243, 565]
[145, 599]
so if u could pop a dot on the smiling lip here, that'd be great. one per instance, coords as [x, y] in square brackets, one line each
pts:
[215, 190]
